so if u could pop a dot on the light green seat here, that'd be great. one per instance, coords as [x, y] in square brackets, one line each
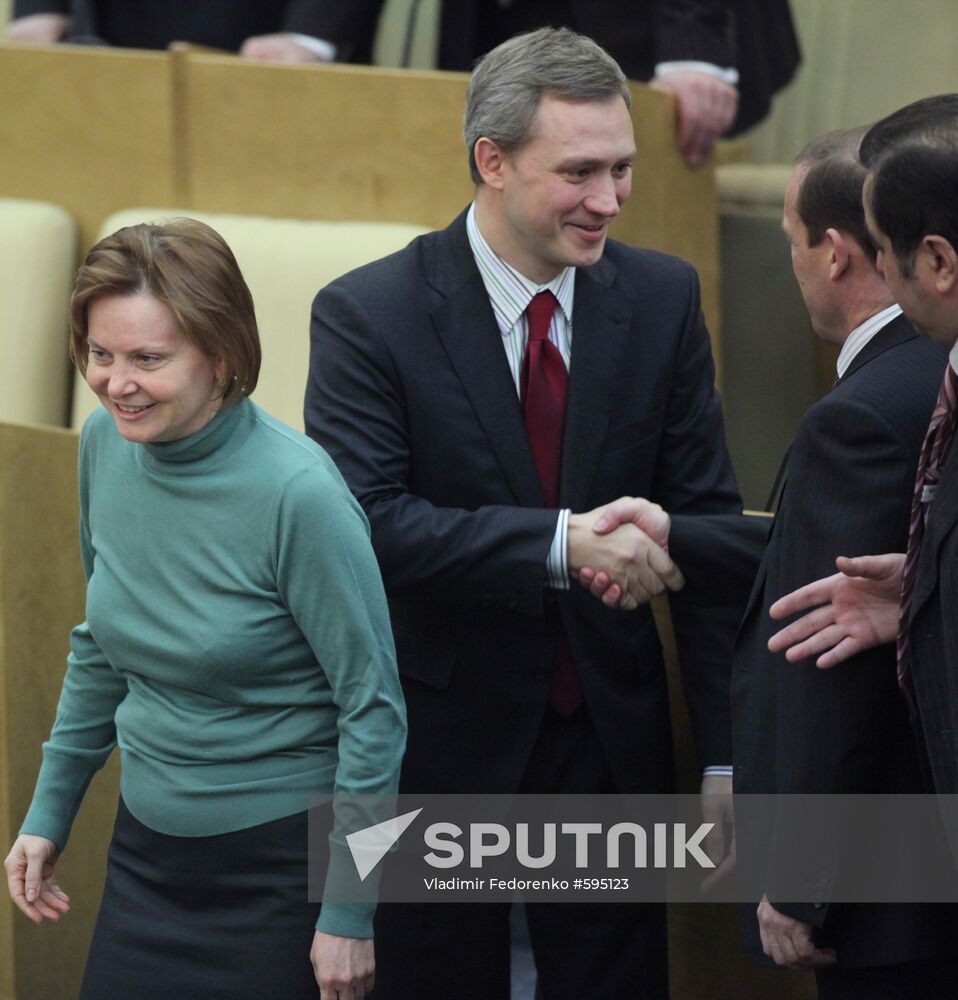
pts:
[37, 250]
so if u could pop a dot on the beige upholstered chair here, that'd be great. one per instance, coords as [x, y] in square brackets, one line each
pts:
[37, 250]
[285, 262]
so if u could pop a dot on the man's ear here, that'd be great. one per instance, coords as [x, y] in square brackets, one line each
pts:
[941, 259]
[490, 161]
[839, 253]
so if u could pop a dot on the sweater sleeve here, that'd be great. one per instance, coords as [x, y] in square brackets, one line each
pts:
[329, 580]
[84, 732]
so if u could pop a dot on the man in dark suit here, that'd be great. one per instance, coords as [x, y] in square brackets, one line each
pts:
[908, 596]
[284, 30]
[797, 729]
[475, 432]
[723, 59]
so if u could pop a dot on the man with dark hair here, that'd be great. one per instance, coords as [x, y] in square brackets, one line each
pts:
[795, 728]
[908, 595]
[480, 390]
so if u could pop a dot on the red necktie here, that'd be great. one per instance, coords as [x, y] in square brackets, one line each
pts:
[543, 392]
[933, 454]
[543, 388]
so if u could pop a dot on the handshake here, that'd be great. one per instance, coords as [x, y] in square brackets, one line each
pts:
[620, 552]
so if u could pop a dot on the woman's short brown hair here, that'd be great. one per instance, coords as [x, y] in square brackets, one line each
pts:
[188, 266]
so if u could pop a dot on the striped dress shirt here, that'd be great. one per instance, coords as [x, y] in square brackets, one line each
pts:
[510, 294]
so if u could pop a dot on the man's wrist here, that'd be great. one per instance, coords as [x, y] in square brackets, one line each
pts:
[557, 562]
[717, 771]
[318, 46]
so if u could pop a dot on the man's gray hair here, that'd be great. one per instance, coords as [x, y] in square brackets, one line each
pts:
[508, 83]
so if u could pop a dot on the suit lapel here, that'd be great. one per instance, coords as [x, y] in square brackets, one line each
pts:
[466, 326]
[942, 518]
[601, 321]
[896, 332]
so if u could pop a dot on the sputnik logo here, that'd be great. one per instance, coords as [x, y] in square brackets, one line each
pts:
[369, 846]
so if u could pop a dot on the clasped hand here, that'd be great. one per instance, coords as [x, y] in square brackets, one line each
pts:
[619, 552]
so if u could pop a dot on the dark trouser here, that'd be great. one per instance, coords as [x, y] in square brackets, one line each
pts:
[460, 951]
[937, 980]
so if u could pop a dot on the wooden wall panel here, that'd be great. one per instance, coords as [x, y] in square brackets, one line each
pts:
[325, 142]
[88, 129]
[672, 208]
[41, 599]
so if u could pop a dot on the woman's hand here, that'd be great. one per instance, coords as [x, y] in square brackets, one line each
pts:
[345, 967]
[30, 878]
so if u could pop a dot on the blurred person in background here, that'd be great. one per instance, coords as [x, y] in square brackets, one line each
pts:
[281, 30]
[722, 59]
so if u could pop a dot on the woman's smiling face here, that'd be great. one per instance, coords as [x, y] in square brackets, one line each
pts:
[156, 384]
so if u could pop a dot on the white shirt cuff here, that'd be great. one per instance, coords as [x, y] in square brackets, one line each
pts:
[557, 564]
[718, 770]
[729, 75]
[319, 46]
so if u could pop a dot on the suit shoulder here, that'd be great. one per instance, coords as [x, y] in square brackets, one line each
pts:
[661, 289]
[652, 261]
[903, 378]
[389, 274]
[891, 395]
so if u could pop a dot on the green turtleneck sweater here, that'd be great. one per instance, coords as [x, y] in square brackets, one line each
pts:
[237, 643]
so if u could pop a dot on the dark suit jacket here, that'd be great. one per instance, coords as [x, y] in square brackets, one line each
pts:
[153, 24]
[411, 393]
[798, 729]
[933, 641]
[755, 36]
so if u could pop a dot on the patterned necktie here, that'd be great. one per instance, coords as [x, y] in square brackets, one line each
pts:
[543, 388]
[933, 454]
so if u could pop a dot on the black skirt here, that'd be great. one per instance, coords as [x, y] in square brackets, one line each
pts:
[210, 918]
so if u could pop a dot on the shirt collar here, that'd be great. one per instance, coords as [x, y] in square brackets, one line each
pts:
[862, 334]
[509, 291]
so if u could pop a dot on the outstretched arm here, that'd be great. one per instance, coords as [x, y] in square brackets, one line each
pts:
[855, 609]
[718, 554]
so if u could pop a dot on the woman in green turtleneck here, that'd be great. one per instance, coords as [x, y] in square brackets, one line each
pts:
[237, 648]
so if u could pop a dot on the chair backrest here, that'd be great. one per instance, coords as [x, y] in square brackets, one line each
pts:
[37, 253]
[285, 262]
